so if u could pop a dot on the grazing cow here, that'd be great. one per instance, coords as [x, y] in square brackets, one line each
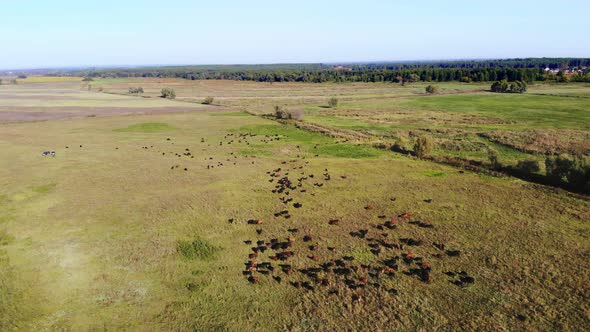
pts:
[453, 253]
[48, 153]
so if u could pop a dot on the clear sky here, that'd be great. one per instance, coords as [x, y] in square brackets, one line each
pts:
[43, 33]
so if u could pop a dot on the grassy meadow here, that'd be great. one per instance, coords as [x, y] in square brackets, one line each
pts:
[147, 216]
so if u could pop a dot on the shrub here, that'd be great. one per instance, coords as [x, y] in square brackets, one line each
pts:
[571, 171]
[423, 146]
[135, 91]
[431, 89]
[87, 79]
[400, 145]
[557, 168]
[528, 166]
[208, 101]
[22, 76]
[413, 78]
[494, 158]
[333, 102]
[513, 87]
[296, 114]
[280, 113]
[168, 93]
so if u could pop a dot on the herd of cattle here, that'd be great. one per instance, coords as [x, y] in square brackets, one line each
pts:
[308, 261]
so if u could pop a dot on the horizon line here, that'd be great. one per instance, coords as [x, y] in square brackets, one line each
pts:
[162, 65]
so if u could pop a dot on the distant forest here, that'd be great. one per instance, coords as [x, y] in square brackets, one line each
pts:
[527, 70]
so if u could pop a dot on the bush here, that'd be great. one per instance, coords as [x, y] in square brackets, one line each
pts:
[494, 158]
[413, 78]
[333, 102]
[423, 146]
[22, 76]
[400, 145]
[168, 93]
[280, 113]
[528, 166]
[87, 79]
[296, 114]
[431, 89]
[135, 91]
[513, 87]
[571, 171]
[208, 101]
[557, 168]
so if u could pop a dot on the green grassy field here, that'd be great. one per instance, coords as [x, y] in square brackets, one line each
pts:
[128, 227]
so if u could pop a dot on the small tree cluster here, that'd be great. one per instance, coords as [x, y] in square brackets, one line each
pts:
[431, 89]
[423, 146]
[87, 79]
[208, 101]
[168, 93]
[135, 91]
[573, 172]
[528, 166]
[333, 102]
[504, 86]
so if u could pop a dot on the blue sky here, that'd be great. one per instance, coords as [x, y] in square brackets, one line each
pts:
[40, 33]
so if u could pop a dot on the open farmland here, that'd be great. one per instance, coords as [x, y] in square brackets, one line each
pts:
[55, 98]
[171, 215]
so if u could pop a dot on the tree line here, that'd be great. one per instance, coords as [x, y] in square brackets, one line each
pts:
[525, 70]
